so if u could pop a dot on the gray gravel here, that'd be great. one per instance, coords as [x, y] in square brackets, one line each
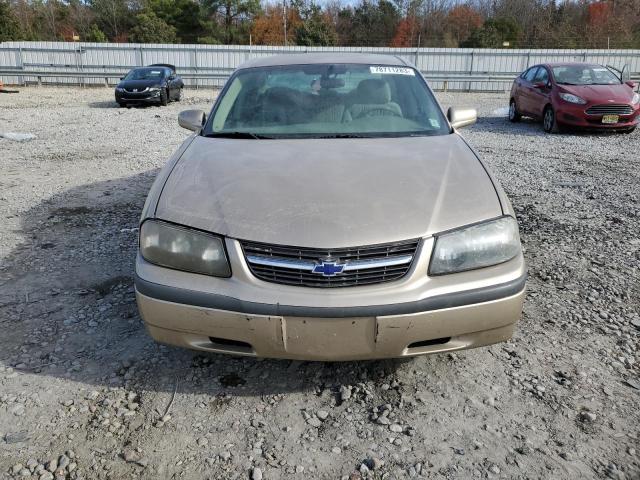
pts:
[85, 394]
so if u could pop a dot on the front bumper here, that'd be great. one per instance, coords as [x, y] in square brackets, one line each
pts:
[415, 315]
[438, 324]
[576, 116]
[142, 97]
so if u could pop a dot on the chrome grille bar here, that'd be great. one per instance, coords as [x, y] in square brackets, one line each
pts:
[610, 110]
[297, 266]
[309, 266]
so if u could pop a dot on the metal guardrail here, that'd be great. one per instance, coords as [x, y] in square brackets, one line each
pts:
[104, 77]
[209, 65]
[222, 73]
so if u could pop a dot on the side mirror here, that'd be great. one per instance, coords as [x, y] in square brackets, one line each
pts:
[461, 117]
[539, 85]
[631, 83]
[192, 119]
[121, 78]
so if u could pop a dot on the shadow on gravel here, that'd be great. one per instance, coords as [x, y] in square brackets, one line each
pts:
[529, 127]
[114, 104]
[67, 307]
[107, 104]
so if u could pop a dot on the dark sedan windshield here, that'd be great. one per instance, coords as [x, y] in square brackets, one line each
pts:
[584, 75]
[146, 74]
[326, 101]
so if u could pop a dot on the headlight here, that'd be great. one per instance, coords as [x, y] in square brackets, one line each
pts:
[476, 246]
[154, 89]
[119, 89]
[636, 98]
[571, 98]
[184, 249]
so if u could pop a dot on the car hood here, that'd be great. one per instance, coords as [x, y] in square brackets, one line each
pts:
[139, 84]
[328, 193]
[601, 93]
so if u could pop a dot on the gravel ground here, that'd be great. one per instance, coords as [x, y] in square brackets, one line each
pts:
[84, 392]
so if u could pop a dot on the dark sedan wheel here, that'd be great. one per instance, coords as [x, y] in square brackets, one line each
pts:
[122, 104]
[549, 121]
[514, 115]
[164, 97]
[179, 97]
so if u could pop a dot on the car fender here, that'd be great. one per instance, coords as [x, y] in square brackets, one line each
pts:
[505, 203]
[150, 205]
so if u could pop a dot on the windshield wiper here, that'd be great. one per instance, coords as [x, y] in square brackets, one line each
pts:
[569, 83]
[253, 136]
[342, 135]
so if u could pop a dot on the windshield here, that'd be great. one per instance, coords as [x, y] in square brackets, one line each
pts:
[584, 75]
[146, 74]
[326, 101]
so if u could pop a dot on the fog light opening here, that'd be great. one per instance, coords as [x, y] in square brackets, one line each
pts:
[429, 343]
[231, 345]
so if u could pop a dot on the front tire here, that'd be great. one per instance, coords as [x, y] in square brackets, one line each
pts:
[629, 130]
[549, 121]
[514, 115]
[179, 97]
[122, 104]
[164, 98]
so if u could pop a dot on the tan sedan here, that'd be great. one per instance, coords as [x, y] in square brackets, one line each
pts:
[327, 209]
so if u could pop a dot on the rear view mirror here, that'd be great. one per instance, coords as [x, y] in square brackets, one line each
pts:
[461, 117]
[192, 119]
[331, 82]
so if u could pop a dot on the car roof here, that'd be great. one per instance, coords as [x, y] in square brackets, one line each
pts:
[167, 65]
[152, 67]
[568, 64]
[321, 58]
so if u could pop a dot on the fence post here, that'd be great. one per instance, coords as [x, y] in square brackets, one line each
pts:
[20, 63]
[471, 69]
[194, 52]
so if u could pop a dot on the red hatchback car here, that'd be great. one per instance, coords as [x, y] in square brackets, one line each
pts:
[579, 95]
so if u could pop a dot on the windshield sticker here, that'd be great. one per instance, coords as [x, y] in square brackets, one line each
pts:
[434, 123]
[155, 72]
[392, 70]
[600, 69]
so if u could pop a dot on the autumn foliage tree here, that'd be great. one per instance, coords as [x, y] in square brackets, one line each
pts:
[370, 23]
[462, 20]
[598, 13]
[268, 28]
[406, 33]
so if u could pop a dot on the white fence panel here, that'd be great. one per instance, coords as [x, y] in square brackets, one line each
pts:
[210, 65]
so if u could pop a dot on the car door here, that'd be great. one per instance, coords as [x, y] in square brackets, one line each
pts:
[525, 99]
[171, 84]
[540, 92]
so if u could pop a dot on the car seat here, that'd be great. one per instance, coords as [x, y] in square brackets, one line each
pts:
[373, 97]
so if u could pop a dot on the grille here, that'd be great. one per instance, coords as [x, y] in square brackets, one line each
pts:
[363, 265]
[610, 110]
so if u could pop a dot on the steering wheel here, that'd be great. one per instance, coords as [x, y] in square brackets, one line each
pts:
[379, 112]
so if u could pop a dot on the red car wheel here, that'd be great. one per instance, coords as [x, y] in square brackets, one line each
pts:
[549, 121]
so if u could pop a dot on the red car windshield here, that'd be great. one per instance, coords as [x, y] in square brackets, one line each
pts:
[584, 75]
